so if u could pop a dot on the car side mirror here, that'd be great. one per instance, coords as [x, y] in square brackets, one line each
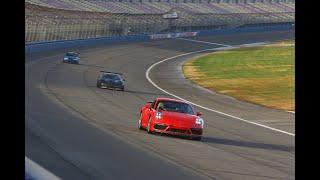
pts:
[198, 113]
[161, 108]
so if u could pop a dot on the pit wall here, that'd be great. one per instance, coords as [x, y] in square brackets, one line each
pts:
[81, 43]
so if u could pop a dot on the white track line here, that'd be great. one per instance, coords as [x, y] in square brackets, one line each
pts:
[203, 107]
[205, 42]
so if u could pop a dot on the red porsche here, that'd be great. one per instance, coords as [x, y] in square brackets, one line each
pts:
[171, 116]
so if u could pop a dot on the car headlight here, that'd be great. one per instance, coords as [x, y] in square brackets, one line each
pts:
[158, 115]
[65, 58]
[200, 121]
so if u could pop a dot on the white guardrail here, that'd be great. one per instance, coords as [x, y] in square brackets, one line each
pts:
[34, 171]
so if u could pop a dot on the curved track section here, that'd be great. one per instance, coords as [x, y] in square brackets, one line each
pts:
[78, 131]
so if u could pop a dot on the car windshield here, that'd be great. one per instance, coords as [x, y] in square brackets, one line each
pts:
[175, 107]
[71, 54]
[111, 76]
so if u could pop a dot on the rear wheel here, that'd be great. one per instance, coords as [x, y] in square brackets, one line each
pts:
[149, 126]
[98, 84]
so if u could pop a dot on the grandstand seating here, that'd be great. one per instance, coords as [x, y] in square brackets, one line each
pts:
[73, 19]
[155, 7]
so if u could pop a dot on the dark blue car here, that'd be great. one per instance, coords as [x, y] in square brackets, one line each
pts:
[110, 80]
[71, 57]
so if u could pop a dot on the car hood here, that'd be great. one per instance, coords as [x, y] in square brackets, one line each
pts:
[179, 119]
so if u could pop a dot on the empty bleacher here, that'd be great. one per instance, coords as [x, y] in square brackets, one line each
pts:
[156, 7]
[76, 19]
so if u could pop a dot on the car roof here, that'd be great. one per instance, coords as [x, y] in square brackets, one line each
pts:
[170, 99]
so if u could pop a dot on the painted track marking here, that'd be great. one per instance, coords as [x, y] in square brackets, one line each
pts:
[205, 42]
[203, 107]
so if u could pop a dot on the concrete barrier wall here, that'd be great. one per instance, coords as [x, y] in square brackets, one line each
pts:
[58, 45]
[278, 27]
[34, 171]
[80, 43]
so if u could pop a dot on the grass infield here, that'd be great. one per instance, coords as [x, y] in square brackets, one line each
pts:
[262, 75]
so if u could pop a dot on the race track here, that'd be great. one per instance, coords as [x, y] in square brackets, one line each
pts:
[78, 131]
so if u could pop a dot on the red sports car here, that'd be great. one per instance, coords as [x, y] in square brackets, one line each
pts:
[171, 116]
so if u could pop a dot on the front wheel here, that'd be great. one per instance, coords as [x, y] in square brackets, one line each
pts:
[149, 126]
[98, 84]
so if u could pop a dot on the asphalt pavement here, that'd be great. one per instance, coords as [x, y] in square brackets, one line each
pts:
[78, 131]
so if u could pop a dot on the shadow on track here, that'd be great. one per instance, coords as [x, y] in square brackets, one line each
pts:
[231, 142]
[247, 144]
[130, 91]
[92, 65]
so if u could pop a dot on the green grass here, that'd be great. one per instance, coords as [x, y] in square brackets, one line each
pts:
[263, 74]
